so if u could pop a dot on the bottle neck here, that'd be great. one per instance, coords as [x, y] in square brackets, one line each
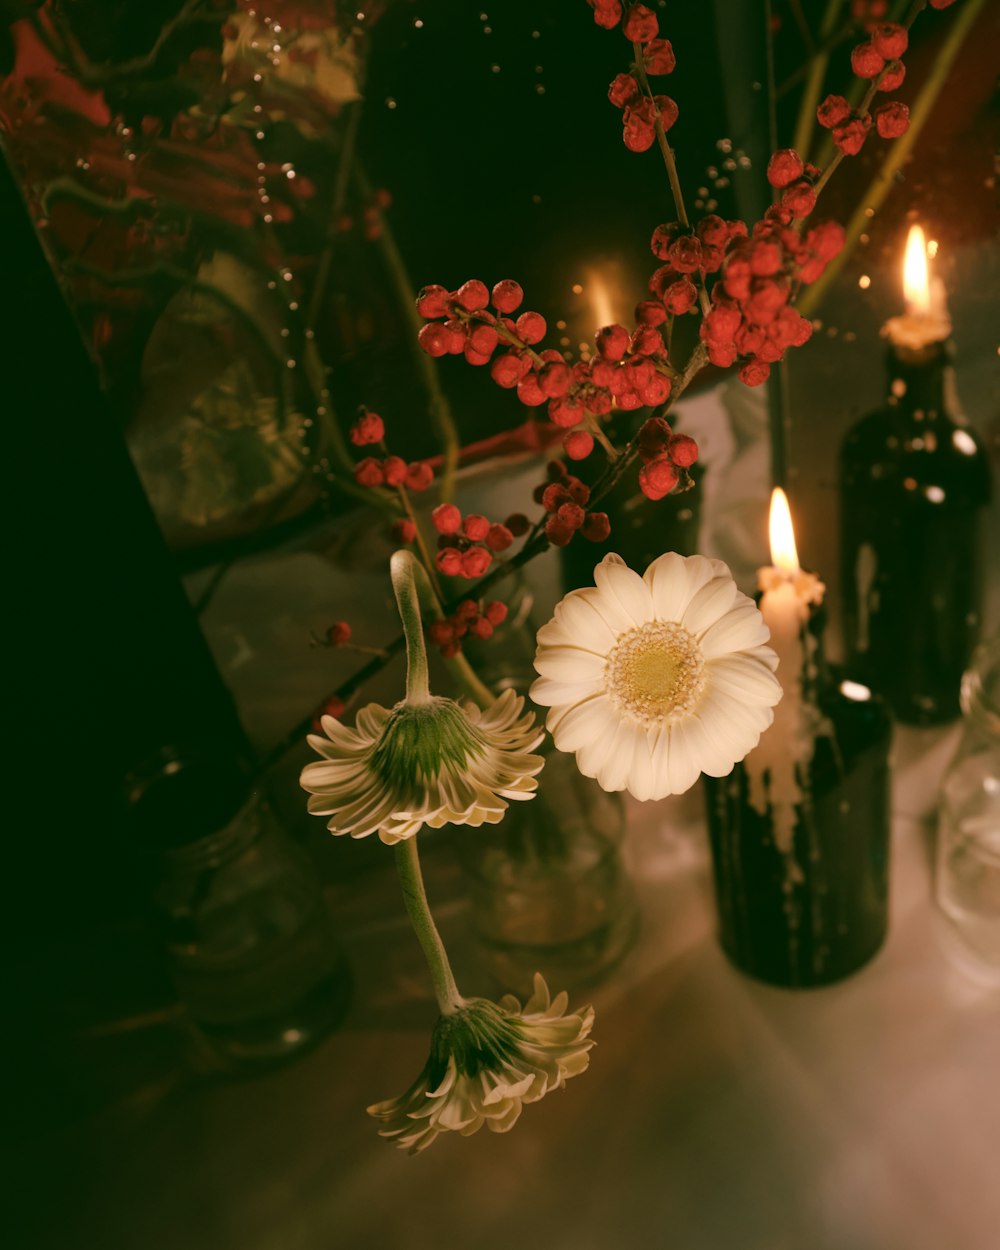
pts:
[918, 381]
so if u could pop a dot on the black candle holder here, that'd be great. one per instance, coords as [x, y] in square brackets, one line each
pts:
[813, 912]
[914, 479]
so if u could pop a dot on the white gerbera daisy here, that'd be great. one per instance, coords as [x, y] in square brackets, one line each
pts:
[427, 761]
[653, 680]
[486, 1061]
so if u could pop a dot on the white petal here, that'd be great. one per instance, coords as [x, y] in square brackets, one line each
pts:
[744, 678]
[614, 771]
[549, 693]
[738, 630]
[674, 580]
[642, 781]
[583, 723]
[584, 624]
[569, 664]
[616, 581]
[711, 603]
[684, 766]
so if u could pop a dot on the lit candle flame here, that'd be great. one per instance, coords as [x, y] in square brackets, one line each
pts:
[783, 553]
[598, 289]
[916, 278]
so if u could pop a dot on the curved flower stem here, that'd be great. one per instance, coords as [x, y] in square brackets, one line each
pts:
[405, 571]
[415, 897]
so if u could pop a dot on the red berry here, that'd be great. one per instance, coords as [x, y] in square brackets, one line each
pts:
[683, 450]
[404, 530]
[713, 231]
[507, 370]
[892, 76]
[434, 339]
[369, 428]
[721, 355]
[827, 239]
[555, 378]
[472, 295]
[784, 167]
[754, 373]
[507, 296]
[475, 562]
[495, 612]
[851, 135]
[656, 390]
[529, 392]
[653, 435]
[518, 524]
[441, 632]
[338, 634]
[446, 518]
[531, 327]
[658, 57]
[394, 470]
[596, 528]
[685, 254]
[765, 257]
[650, 312]
[608, 13]
[640, 24]
[432, 301]
[799, 200]
[638, 136]
[419, 475]
[623, 91]
[612, 342]
[867, 61]
[657, 479]
[565, 412]
[449, 562]
[833, 110]
[667, 110]
[647, 341]
[681, 296]
[483, 339]
[554, 495]
[570, 514]
[558, 533]
[578, 444]
[499, 538]
[482, 628]
[890, 40]
[368, 472]
[663, 239]
[892, 120]
[475, 527]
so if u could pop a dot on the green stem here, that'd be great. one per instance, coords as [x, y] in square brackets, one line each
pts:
[440, 409]
[881, 184]
[415, 897]
[814, 84]
[405, 571]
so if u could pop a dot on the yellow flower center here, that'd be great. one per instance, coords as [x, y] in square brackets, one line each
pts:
[655, 673]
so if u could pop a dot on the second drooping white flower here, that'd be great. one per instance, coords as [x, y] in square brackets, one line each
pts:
[656, 679]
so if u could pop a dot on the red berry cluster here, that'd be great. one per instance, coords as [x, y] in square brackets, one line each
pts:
[689, 255]
[629, 370]
[564, 497]
[750, 315]
[369, 428]
[878, 59]
[466, 545]
[640, 111]
[795, 179]
[393, 471]
[476, 620]
[666, 458]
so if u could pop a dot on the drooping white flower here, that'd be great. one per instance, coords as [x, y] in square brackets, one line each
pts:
[653, 680]
[487, 1060]
[428, 761]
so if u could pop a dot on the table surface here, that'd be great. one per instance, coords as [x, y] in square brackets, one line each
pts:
[717, 1113]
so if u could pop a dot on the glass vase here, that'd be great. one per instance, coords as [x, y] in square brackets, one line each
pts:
[247, 935]
[968, 849]
[548, 888]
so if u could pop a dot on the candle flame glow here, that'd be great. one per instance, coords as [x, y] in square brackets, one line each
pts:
[784, 556]
[916, 278]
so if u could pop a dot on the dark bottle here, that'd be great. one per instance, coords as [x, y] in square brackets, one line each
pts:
[817, 911]
[914, 479]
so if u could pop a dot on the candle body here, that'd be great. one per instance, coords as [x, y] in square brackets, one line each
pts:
[914, 480]
[814, 910]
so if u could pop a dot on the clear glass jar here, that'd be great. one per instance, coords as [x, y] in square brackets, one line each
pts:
[248, 937]
[548, 887]
[968, 859]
